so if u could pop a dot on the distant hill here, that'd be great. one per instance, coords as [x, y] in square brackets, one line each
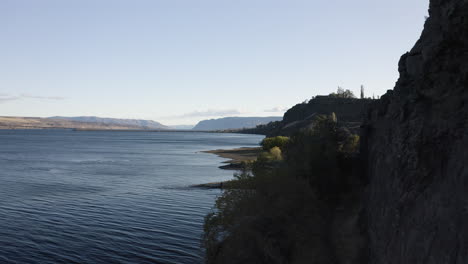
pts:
[11, 122]
[350, 113]
[234, 123]
[138, 123]
[182, 127]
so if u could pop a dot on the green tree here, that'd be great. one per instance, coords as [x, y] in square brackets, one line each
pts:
[286, 204]
[279, 141]
[342, 93]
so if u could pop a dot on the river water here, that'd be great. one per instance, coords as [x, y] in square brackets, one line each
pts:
[107, 197]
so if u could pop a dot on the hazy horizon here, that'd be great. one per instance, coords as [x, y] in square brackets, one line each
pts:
[175, 126]
[180, 62]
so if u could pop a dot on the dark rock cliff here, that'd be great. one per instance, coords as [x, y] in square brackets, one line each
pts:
[415, 143]
[350, 113]
[347, 109]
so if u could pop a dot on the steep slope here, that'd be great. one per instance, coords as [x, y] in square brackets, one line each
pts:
[415, 141]
[234, 123]
[143, 124]
[350, 113]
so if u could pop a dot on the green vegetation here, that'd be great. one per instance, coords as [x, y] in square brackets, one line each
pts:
[342, 93]
[276, 154]
[298, 203]
[279, 141]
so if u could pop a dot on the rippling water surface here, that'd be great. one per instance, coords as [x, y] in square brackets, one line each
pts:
[107, 197]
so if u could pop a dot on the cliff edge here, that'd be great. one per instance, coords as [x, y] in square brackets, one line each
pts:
[415, 144]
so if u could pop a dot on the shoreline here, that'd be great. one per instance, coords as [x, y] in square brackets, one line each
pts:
[236, 157]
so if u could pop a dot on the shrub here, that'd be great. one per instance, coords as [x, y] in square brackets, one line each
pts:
[350, 144]
[271, 142]
[275, 152]
[342, 93]
[283, 208]
[267, 157]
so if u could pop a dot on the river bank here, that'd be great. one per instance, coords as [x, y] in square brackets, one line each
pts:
[236, 158]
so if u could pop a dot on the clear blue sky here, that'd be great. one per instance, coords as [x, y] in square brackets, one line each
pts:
[180, 61]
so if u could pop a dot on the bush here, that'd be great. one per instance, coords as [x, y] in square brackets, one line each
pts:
[284, 211]
[350, 144]
[342, 93]
[275, 152]
[243, 180]
[279, 141]
[274, 155]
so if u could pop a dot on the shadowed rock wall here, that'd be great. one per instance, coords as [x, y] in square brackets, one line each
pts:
[415, 143]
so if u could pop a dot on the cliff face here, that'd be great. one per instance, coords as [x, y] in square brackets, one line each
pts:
[234, 123]
[415, 143]
[350, 113]
[347, 109]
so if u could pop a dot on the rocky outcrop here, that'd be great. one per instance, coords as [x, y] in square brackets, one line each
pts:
[231, 123]
[350, 113]
[347, 109]
[415, 142]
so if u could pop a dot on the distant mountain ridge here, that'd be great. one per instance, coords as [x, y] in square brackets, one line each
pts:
[234, 123]
[12, 122]
[140, 123]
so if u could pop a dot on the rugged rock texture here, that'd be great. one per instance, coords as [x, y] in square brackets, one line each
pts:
[416, 143]
[347, 109]
[350, 113]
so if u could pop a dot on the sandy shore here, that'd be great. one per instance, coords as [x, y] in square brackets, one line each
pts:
[236, 156]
